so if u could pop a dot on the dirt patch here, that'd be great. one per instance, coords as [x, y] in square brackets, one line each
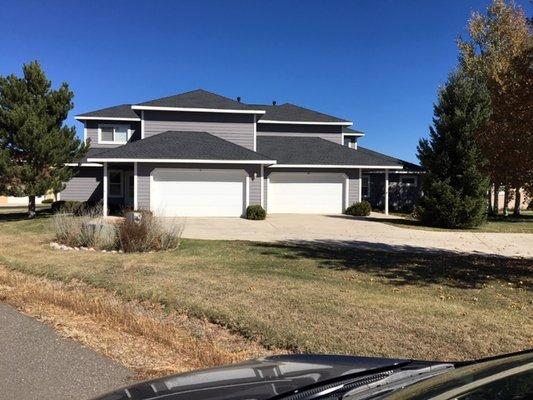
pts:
[141, 336]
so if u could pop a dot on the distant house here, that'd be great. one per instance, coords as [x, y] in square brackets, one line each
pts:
[202, 154]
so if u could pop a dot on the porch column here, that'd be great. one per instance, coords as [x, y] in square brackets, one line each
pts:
[360, 185]
[135, 188]
[104, 184]
[386, 192]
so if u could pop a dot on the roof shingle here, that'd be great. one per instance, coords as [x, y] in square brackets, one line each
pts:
[121, 111]
[197, 99]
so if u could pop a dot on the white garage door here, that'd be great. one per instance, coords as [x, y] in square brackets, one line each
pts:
[306, 193]
[198, 192]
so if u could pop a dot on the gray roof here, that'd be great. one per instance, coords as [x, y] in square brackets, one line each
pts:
[92, 152]
[291, 112]
[408, 166]
[197, 99]
[318, 151]
[348, 130]
[121, 111]
[182, 146]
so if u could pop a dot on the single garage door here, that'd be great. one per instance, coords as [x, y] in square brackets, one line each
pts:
[306, 193]
[198, 192]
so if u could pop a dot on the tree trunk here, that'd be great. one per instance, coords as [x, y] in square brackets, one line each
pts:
[496, 206]
[506, 201]
[489, 208]
[31, 207]
[517, 202]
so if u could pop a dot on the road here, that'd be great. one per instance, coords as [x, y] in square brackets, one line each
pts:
[37, 363]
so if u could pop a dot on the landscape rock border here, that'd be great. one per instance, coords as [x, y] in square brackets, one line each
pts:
[59, 246]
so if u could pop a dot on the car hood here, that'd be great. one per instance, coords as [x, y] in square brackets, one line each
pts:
[258, 379]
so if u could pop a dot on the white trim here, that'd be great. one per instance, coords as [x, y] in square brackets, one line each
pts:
[82, 118]
[262, 201]
[129, 133]
[268, 121]
[353, 134]
[346, 193]
[84, 133]
[361, 185]
[180, 161]
[142, 125]
[247, 193]
[135, 188]
[268, 191]
[192, 109]
[104, 184]
[386, 192]
[330, 166]
[83, 165]
[255, 133]
[121, 172]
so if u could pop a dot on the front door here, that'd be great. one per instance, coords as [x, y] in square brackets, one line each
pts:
[129, 189]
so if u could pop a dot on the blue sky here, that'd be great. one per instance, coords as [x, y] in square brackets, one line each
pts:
[378, 63]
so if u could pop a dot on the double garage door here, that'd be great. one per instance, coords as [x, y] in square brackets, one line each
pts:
[198, 192]
[306, 192]
[222, 192]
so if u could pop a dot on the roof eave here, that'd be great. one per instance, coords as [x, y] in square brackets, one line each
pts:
[343, 123]
[195, 109]
[180, 161]
[336, 166]
[83, 118]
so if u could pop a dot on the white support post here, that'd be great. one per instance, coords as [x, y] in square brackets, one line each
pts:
[360, 185]
[262, 186]
[386, 192]
[104, 184]
[135, 188]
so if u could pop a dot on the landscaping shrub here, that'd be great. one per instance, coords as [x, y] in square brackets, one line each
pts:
[47, 201]
[255, 212]
[74, 207]
[360, 209]
[147, 233]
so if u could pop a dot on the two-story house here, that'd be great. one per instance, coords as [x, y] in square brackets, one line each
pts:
[202, 154]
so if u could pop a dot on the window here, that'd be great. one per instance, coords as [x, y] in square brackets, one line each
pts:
[408, 180]
[365, 186]
[115, 186]
[114, 134]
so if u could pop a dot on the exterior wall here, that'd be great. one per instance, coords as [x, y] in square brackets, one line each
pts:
[91, 127]
[328, 132]
[401, 197]
[145, 169]
[86, 185]
[352, 174]
[235, 128]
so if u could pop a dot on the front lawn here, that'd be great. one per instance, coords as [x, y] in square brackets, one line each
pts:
[498, 224]
[309, 297]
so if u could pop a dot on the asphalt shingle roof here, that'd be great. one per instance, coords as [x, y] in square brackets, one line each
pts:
[121, 111]
[182, 146]
[197, 99]
[318, 151]
[291, 112]
[92, 152]
[348, 130]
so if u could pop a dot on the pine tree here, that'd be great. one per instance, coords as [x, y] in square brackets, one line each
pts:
[455, 188]
[35, 144]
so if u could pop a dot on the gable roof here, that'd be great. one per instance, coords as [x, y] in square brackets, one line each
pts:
[180, 145]
[290, 112]
[354, 132]
[292, 150]
[196, 99]
[123, 112]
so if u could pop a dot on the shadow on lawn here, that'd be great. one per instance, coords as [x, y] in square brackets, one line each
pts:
[408, 265]
[20, 214]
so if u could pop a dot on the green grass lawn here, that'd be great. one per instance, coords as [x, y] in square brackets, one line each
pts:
[499, 224]
[306, 297]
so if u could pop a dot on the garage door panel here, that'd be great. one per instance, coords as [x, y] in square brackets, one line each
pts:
[198, 192]
[301, 192]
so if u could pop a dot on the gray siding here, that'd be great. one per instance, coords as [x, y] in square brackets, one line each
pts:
[235, 128]
[92, 132]
[328, 132]
[353, 180]
[86, 185]
[144, 171]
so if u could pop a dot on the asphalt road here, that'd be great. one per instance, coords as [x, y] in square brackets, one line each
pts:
[37, 363]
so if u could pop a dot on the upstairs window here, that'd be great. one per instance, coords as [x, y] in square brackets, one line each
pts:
[114, 134]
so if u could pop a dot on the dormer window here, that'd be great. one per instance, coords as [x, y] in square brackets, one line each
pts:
[114, 134]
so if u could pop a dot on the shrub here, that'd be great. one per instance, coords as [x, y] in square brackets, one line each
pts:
[147, 233]
[86, 229]
[361, 209]
[47, 201]
[255, 212]
[74, 207]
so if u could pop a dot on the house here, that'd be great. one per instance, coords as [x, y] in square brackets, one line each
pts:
[202, 154]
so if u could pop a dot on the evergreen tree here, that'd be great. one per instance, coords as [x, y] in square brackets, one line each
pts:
[34, 142]
[455, 188]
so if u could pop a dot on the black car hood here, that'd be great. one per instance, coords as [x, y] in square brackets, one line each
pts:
[259, 379]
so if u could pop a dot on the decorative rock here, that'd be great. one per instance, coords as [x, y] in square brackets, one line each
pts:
[55, 246]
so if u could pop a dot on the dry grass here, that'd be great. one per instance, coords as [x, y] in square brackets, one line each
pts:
[140, 336]
[306, 297]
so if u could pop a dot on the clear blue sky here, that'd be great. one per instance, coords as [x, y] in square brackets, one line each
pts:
[378, 63]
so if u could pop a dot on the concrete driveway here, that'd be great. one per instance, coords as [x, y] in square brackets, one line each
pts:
[357, 232]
